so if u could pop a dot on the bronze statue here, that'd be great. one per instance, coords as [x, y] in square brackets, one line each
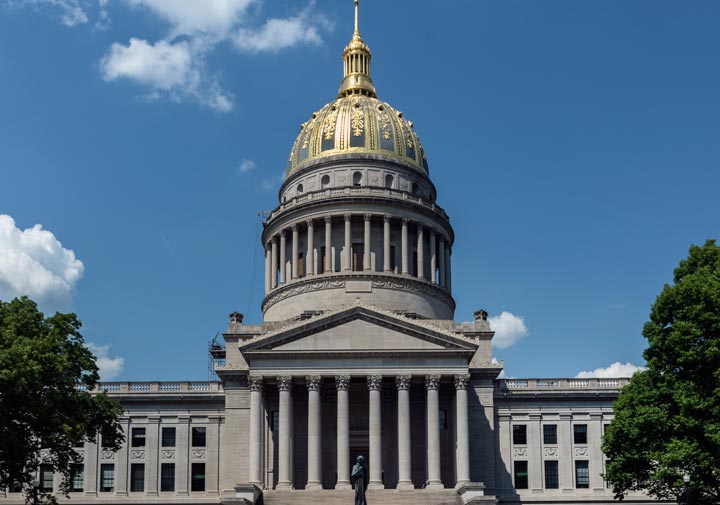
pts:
[359, 479]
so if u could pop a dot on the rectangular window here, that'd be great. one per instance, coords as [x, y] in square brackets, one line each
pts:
[393, 260]
[301, 265]
[46, 478]
[167, 477]
[550, 434]
[357, 257]
[321, 267]
[275, 421]
[443, 420]
[107, 477]
[77, 476]
[551, 475]
[519, 434]
[521, 475]
[580, 433]
[138, 437]
[414, 265]
[608, 484]
[198, 437]
[582, 474]
[168, 437]
[198, 477]
[137, 477]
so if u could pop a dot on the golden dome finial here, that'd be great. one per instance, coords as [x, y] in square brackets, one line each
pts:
[356, 63]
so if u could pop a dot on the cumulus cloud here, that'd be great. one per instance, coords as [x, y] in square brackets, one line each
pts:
[272, 182]
[246, 166]
[277, 34]
[33, 262]
[508, 329]
[615, 370]
[109, 367]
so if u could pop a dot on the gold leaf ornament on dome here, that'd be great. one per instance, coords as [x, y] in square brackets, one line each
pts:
[384, 121]
[357, 118]
[330, 123]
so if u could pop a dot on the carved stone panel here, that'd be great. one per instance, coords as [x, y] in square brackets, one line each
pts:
[137, 454]
[581, 451]
[520, 452]
[551, 451]
[198, 454]
[108, 455]
[167, 454]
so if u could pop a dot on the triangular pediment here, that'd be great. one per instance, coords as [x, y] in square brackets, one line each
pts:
[359, 329]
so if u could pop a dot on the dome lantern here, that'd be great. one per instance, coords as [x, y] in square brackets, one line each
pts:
[356, 65]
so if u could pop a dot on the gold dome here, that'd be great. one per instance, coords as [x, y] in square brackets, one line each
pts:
[357, 124]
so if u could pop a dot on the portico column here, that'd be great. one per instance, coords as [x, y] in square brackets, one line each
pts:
[285, 478]
[328, 243]
[314, 433]
[366, 248]
[267, 269]
[274, 262]
[294, 251]
[386, 243]
[374, 384]
[404, 455]
[433, 258]
[442, 265]
[462, 450]
[342, 382]
[310, 257]
[256, 386]
[420, 252]
[448, 282]
[433, 432]
[348, 243]
[283, 266]
[404, 248]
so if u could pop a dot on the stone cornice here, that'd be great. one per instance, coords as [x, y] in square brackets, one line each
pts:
[399, 353]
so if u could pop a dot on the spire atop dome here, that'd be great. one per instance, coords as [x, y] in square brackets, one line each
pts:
[356, 65]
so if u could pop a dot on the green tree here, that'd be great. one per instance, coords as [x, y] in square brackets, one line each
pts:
[46, 409]
[667, 419]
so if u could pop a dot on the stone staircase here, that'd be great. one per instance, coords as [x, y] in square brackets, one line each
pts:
[374, 497]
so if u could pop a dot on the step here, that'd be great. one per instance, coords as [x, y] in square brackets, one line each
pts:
[374, 497]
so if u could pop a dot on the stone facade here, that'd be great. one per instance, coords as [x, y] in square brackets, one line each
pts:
[358, 354]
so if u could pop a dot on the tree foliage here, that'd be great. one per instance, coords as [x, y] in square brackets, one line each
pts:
[667, 419]
[46, 409]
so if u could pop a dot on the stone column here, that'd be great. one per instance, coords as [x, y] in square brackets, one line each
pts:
[432, 382]
[268, 284]
[462, 449]
[182, 456]
[152, 455]
[374, 385]
[328, 243]
[342, 383]
[404, 246]
[314, 433]
[404, 452]
[274, 263]
[442, 265]
[386, 243]
[256, 414]
[285, 477]
[433, 258]
[420, 252]
[310, 257]
[295, 251]
[283, 265]
[366, 245]
[348, 243]
[448, 281]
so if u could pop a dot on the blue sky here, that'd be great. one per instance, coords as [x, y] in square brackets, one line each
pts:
[573, 143]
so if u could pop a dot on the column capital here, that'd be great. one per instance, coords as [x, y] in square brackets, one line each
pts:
[295, 227]
[309, 223]
[256, 382]
[374, 382]
[461, 380]
[275, 239]
[314, 382]
[386, 218]
[403, 381]
[405, 221]
[367, 216]
[285, 382]
[342, 382]
[328, 219]
[432, 381]
[347, 216]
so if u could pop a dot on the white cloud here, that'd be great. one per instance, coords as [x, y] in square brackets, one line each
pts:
[615, 370]
[272, 182]
[170, 70]
[70, 12]
[34, 263]
[246, 166]
[109, 367]
[508, 329]
[277, 34]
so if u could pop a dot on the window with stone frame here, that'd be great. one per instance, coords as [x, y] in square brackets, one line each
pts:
[519, 434]
[443, 420]
[197, 474]
[580, 434]
[550, 434]
[107, 477]
[582, 474]
[77, 477]
[137, 477]
[275, 425]
[551, 475]
[198, 436]
[138, 437]
[167, 477]
[168, 436]
[46, 478]
[520, 474]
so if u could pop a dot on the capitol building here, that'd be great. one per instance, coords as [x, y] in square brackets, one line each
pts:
[358, 353]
